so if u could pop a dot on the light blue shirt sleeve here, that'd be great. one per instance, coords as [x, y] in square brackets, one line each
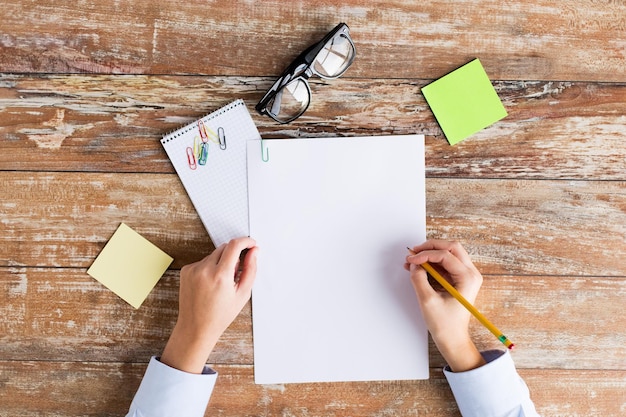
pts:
[493, 390]
[166, 392]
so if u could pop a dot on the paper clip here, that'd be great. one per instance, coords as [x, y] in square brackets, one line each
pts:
[196, 146]
[191, 158]
[265, 153]
[202, 130]
[207, 134]
[204, 153]
[211, 135]
[221, 137]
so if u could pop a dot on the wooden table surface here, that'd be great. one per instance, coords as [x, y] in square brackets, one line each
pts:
[87, 88]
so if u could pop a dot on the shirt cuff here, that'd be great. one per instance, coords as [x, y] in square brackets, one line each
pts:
[494, 389]
[166, 391]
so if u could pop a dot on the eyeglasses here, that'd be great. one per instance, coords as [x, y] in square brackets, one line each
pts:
[290, 95]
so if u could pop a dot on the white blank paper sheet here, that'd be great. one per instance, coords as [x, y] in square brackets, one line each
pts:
[333, 218]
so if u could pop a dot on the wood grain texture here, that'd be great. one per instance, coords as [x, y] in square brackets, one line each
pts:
[87, 89]
[64, 219]
[542, 40]
[86, 322]
[113, 124]
[66, 388]
[556, 393]
[55, 389]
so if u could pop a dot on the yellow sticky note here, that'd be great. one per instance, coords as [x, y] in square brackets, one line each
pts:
[464, 102]
[130, 265]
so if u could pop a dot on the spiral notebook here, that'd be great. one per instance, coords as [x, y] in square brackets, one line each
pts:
[209, 156]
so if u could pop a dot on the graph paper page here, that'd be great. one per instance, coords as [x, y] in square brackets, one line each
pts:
[218, 188]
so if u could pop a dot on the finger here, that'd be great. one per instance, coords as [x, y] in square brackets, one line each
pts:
[248, 273]
[215, 256]
[431, 244]
[419, 279]
[446, 260]
[459, 251]
[232, 251]
[466, 279]
[451, 246]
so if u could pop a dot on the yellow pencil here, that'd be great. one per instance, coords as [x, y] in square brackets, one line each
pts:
[453, 292]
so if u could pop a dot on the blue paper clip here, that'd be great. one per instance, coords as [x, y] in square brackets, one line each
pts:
[204, 153]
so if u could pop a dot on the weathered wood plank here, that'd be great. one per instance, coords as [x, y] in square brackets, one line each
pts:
[533, 227]
[113, 124]
[59, 389]
[105, 389]
[539, 199]
[525, 40]
[511, 227]
[78, 215]
[63, 314]
[555, 393]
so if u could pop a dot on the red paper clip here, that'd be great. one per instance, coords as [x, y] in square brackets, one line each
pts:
[202, 129]
[191, 158]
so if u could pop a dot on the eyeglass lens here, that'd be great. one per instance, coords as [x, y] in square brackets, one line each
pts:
[290, 101]
[334, 58]
[293, 99]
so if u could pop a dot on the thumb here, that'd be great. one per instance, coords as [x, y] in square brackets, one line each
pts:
[248, 274]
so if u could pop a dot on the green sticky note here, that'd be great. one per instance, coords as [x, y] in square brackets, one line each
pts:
[464, 102]
[130, 265]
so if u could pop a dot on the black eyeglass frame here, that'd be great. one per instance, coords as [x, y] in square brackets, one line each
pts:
[302, 68]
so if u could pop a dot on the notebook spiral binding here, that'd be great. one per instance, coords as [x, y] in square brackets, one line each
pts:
[186, 128]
